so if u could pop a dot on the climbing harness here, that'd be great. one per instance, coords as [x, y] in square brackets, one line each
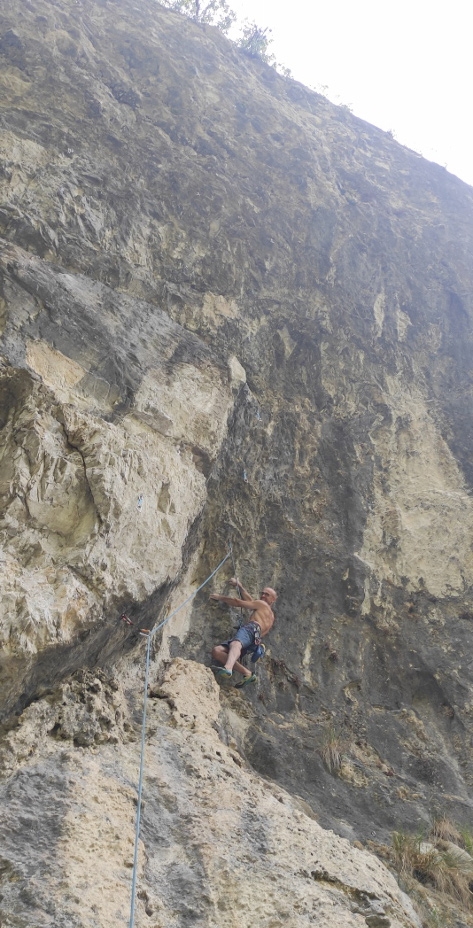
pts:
[150, 635]
[257, 649]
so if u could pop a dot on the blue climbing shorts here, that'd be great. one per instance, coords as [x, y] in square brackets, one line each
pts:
[248, 636]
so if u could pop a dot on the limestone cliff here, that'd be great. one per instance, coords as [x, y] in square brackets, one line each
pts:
[217, 842]
[228, 309]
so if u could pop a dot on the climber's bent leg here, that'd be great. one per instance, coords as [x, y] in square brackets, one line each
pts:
[220, 653]
[234, 652]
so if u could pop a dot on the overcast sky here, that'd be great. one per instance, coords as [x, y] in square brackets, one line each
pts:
[404, 66]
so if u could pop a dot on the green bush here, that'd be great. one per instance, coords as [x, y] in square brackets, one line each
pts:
[214, 12]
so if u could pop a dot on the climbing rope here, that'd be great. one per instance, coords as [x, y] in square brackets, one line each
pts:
[150, 636]
[230, 547]
[230, 551]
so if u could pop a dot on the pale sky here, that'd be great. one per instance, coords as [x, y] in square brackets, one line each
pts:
[404, 66]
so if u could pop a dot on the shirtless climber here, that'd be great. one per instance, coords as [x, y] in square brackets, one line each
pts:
[249, 635]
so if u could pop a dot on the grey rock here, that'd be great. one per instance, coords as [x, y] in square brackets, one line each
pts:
[223, 295]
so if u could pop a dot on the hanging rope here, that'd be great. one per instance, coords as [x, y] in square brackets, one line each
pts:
[230, 546]
[230, 549]
[143, 729]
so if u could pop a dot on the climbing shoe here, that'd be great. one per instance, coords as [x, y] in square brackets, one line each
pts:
[246, 680]
[223, 673]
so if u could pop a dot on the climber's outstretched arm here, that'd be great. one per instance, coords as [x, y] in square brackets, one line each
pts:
[241, 603]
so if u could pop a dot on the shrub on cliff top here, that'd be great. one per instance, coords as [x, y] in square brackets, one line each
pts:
[253, 40]
[214, 12]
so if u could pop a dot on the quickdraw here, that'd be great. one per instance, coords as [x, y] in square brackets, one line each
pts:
[126, 619]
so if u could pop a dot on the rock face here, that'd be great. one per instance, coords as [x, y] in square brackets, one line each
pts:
[104, 455]
[229, 309]
[217, 843]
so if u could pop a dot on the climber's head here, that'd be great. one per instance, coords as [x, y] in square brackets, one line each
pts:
[268, 595]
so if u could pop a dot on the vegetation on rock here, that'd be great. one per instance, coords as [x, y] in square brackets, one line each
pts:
[333, 746]
[440, 861]
[214, 12]
[253, 39]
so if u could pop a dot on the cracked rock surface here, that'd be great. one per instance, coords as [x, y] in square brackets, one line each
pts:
[105, 444]
[217, 843]
[228, 310]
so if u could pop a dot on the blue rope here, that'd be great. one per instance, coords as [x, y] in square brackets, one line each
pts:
[140, 787]
[143, 734]
[166, 620]
[240, 619]
[233, 559]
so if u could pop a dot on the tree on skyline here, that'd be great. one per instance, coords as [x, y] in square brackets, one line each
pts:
[254, 40]
[213, 12]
